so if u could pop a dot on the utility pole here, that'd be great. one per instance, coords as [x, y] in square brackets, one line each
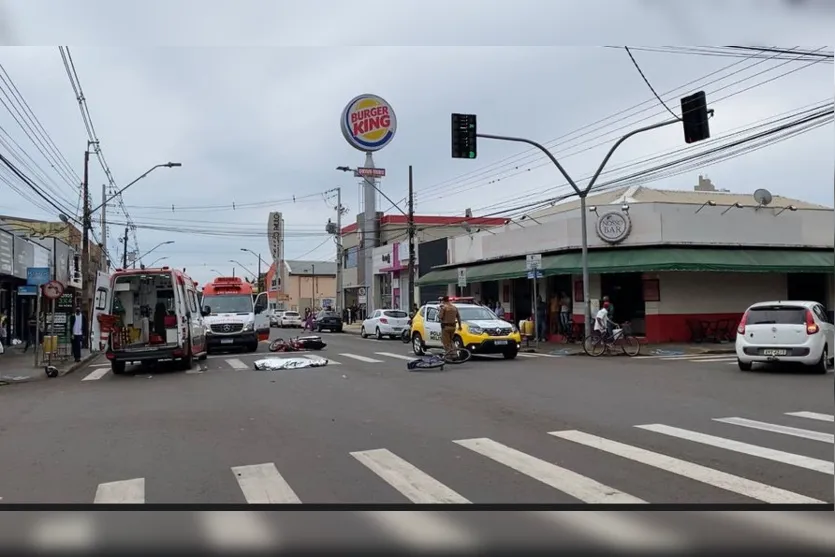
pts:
[313, 287]
[125, 249]
[411, 225]
[104, 223]
[85, 239]
[340, 293]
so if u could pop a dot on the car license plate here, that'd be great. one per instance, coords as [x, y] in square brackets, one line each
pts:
[397, 329]
[226, 341]
[501, 342]
[774, 352]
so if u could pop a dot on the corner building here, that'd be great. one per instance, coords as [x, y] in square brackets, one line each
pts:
[680, 266]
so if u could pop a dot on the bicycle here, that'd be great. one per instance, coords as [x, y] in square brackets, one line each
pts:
[434, 360]
[596, 344]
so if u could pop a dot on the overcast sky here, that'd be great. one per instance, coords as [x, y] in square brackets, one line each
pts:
[256, 125]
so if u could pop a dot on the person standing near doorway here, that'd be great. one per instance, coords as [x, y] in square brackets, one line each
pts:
[78, 326]
[541, 320]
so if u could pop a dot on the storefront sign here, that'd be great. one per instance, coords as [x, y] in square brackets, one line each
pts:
[275, 232]
[24, 257]
[613, 227]
[6, 253]
[369, 173]
[37, 276]
[28, 290]
[368, 123]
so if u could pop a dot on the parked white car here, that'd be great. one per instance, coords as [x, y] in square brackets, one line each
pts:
[290, 319]
[385, 322]
[786, 332]
[275, 318]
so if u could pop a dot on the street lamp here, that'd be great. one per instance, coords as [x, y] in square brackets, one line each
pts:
[157, 260]
[218, 273]
[151, 250]
[244, 267]
[258, 255]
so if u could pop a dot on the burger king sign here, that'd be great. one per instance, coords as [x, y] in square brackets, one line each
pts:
[368, 123]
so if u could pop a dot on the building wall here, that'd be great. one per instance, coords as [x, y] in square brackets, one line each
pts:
[706, 297]
[654, 224]
[300, 290]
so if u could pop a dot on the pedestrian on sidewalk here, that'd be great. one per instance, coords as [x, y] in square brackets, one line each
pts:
[78, 325]
[541, 320]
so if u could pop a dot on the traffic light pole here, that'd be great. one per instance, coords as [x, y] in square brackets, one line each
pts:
[582, 194]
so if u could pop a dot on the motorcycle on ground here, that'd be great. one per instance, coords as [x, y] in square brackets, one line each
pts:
[406, 335]
[297, 344]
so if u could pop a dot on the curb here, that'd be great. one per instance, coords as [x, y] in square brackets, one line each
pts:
[78, 365]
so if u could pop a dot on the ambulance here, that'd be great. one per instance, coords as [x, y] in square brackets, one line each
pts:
[146, 316]
[235, 316]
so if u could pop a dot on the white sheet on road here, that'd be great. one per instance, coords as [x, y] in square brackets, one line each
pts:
[277, 364]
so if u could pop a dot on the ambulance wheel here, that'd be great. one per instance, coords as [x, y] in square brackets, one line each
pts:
[118, 368]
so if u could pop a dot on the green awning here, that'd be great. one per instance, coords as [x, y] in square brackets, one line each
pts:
[620, 260]
[692, 259]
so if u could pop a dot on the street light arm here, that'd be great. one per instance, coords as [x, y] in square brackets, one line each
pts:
[118, 193]
[541, 148]
[618, 144]
[154, 248]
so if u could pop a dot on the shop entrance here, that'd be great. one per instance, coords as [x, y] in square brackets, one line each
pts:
[626, 292]
[808, 287]
[490, 293]
[522, 292]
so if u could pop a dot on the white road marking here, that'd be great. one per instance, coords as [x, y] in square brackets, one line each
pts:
[578, 486]
[737, 446]
[397, 356]
[100, 365]
[423, 529]
[527, 355]
[125, 491]
[96, 374]
[804, 528]
[235, 363]
[775, 428]
[697, 472]
[414, 484]
[64, 531]
[362, 358]
[262, 483]
[812, 416]
[237, 530]
[616, 529]
[709, 360]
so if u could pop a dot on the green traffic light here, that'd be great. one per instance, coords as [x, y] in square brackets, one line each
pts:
[472, 154]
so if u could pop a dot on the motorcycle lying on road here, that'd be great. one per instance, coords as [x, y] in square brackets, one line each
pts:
[405, 336]
[297, 344]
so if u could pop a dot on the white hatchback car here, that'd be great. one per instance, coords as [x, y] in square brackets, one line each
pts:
[785, 332]
[290, 319]
[385, 322]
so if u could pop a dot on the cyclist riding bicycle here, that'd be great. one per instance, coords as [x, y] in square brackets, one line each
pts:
[602, 322]
[449, 317]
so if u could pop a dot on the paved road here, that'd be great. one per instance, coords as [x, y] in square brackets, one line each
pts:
[539, 429]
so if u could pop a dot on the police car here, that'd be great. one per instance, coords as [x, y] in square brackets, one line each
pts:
[481, 331]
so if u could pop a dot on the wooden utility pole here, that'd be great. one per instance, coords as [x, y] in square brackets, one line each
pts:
[85, 240]
[411, 225]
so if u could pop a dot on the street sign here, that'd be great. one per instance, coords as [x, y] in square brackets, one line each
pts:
[28, 290]
[370, 172]
[37, 276]
[462, 277]
[53, 290]
[535, 274]
[533, 261]
[362, 298]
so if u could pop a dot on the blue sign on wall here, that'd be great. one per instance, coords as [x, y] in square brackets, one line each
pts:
[37, 275]
[28, 290]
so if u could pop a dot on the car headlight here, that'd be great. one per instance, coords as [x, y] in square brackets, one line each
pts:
[249, 327]
[473, 330]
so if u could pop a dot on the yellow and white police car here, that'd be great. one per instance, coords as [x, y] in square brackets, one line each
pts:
[481, 331]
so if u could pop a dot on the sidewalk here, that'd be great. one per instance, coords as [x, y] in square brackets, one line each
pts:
[560, 349]
[17, 366]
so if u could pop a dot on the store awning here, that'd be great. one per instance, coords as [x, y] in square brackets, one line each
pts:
[645, 260]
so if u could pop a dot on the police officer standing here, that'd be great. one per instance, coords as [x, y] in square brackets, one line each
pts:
[449, 317]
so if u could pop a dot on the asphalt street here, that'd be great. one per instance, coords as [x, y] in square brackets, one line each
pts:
[363, 429]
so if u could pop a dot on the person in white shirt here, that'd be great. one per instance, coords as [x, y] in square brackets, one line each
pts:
[79, 330]
[602, 321]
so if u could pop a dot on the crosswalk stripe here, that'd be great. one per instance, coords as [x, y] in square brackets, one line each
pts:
[709, 360]
[422, 529]
[697, 472]
[812, 416]
[737, 446]
[578, 486]
[263, 483]
[362, 358]
[397, 356]
[410, 481]
[233, 530]
[96, 374]
[615, 529]
[125, 491]
[64, 532]
[235, 363]
[776, 428]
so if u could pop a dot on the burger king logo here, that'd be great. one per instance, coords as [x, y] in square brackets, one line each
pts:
[368, 123]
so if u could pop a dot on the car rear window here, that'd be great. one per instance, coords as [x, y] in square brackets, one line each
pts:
[396, 314]
[777, 315]
[291, 314]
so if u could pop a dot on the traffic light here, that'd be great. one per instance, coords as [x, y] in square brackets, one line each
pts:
[694, 116]
[463, 136]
